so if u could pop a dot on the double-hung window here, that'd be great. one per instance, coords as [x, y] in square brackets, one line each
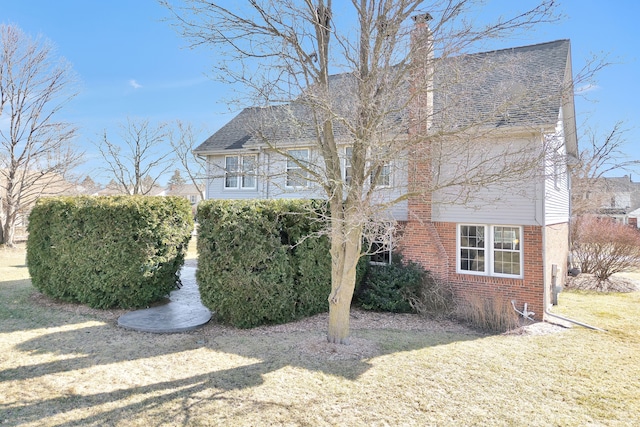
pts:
[383, 177]
[240, 172]
[297, 164]
[492, 250]
[348, 154]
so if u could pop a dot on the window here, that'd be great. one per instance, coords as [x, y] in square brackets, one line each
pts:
[240, 172]
[348, 154]
[296, 175]
[506, 250]
[193, 198]
[380, 252]
[490, 250]
[472, 248]
[384, 177]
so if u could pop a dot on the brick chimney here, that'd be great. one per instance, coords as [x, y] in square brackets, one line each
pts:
[421, 241]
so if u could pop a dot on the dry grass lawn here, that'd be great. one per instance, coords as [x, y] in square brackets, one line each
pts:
[62, 365]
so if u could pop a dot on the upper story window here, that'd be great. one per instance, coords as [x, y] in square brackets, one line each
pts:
[490, 250]
[348, 154]
[240, 171]
[383, 178]
[297, 175]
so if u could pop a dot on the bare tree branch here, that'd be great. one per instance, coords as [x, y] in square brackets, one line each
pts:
[140, 158]
[330, 85]
[183, 141]
[36, 152]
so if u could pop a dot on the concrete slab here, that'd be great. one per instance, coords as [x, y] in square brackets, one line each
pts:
[183, 312]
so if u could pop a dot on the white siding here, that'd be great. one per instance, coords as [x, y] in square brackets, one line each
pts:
[215, 187]
[272, 179]
[517, 200]
[557, 183]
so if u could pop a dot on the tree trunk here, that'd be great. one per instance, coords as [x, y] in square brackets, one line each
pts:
[345, 252]
[8, 229]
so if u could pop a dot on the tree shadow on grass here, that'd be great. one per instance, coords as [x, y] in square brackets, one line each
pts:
[268, 352]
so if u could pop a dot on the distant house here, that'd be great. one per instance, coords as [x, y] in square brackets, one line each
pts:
[41, 185]
[612, 197]
[515, 247]
[188, 191]
[114, 189]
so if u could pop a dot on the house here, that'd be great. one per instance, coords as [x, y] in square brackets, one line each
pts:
[503, 239]
[613, 197]
[115, 189]
[36, 186]
[188, 191]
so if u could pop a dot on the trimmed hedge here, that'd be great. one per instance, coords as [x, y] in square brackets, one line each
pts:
[262, 261]
[122, 251]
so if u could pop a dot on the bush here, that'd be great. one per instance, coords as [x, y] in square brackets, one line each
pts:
[403, 288]
[105, 252]
[493, 314]
[386, 286]
[262, 261]
[604, 247]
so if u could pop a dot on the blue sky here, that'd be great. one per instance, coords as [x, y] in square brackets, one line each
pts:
[132, 64]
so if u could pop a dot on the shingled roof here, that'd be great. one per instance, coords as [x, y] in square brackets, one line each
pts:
[520, 86]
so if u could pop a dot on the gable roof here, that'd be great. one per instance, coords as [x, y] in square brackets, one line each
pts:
[521, 86]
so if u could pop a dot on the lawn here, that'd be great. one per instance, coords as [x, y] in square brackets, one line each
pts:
[66, 366]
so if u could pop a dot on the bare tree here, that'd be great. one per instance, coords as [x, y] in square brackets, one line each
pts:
[36, 150]
[382, 105]
[602, 154]
[183, 141]
[140, 159]
[604, 247]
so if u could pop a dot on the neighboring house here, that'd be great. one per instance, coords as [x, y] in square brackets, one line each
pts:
[633, 217]
[515, 247]
[41, 185]
[613, 197]
[114, 189]
[188, 191]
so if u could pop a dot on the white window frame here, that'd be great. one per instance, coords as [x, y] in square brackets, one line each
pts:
[347, 170]
[294, 167]
[383, 255]
[386, 166]
[241, 174]
[490, 251]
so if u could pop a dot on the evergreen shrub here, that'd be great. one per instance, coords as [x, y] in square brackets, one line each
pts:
[262, 261]
[404, 287]
[121, 251]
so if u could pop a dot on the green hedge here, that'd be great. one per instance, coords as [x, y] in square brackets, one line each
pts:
[122, 251]
[262, 261]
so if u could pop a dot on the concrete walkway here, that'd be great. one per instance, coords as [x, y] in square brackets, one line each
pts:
[183, 312]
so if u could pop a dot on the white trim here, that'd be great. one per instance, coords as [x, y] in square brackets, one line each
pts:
[240, 174]
[490, 251]
[292, 165]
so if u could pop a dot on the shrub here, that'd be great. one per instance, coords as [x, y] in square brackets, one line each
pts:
[262, 261]
[432, 298]
[604, 247]
[121, 251]
[403, 288]
[492, 314]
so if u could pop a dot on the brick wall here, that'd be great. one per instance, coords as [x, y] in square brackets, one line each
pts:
[433, 245]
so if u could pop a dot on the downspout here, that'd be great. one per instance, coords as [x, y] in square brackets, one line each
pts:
[554, 274]
[267, 176]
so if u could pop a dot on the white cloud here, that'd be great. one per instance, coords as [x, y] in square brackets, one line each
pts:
[134, 84]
